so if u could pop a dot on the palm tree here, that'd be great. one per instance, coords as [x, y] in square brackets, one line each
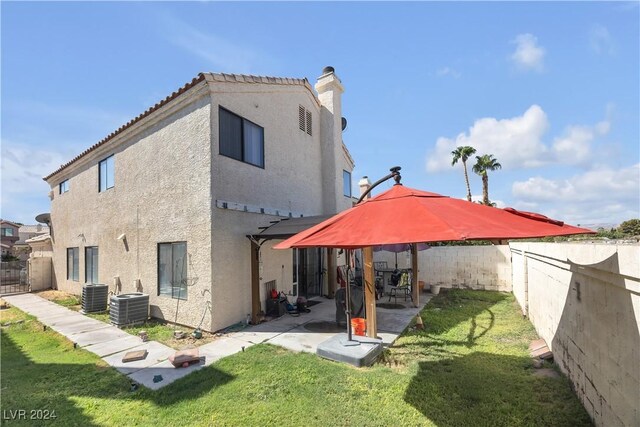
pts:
[463, 153]
[485, 163]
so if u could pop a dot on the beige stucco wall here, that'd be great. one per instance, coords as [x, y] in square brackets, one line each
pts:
[584, 300]
[40, 273]
[475, 267]
[40, 266]
[291, 181]
[161, 194]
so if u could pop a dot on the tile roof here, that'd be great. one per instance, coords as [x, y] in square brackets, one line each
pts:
[4, 221]
[39, 238]
[38, 228]
[208, 77]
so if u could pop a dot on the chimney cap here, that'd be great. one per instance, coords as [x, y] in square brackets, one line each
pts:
[328, 70]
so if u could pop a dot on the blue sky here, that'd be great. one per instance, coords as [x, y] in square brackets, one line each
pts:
[551, 89]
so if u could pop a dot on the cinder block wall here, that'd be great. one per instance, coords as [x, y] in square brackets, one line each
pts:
[584, 300]
[474, 267]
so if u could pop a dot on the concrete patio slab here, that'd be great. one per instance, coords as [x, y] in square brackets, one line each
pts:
[107, 348]
[166, 370]
[77, 326]
[299, 339]
[222, 347]
[157, 353]
[108, 333]
[61, 320]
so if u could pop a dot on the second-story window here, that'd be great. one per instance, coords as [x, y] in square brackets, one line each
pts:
[64, 186]
[346, 183]
[7, 232]
[241, 139]
[106, 172]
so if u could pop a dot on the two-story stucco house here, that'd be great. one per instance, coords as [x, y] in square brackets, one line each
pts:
[164, 204]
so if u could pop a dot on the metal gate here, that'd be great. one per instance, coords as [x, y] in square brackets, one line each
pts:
[13, 277]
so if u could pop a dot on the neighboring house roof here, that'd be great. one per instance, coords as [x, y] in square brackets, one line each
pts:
[38, 228]
[4, 221]
[5, 246]
[207, 77]
[40, 238]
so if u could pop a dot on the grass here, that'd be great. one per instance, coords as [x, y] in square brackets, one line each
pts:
[469, 367]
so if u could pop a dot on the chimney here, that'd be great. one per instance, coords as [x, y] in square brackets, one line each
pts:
[364, 185]
[330, 91]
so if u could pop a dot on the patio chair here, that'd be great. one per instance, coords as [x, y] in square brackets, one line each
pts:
[403, 287]
[377, 266]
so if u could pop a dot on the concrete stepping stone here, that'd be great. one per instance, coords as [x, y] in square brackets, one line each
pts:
[157, 353]
[165, 369]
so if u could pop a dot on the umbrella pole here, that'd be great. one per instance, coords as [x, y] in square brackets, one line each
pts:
[347, 309]
[414, 277]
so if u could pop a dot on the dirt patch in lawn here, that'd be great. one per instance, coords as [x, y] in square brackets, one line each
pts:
[55, 295]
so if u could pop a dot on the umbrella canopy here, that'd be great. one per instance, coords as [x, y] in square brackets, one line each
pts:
[405, 215]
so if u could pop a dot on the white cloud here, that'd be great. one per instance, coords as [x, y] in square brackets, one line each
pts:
[218, 52]
[24, 193]
[602, 195]
[23, 167]
[517, 142]
[448, 72]
[528, 54]
[601, 41]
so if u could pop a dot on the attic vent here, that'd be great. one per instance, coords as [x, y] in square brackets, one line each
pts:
[304, 120]
[301, 118]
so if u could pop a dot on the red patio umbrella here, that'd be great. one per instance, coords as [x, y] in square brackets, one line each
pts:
[407, 215]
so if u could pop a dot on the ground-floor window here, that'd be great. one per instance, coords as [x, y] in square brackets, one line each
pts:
[91, 264]
[172, 269]
[73, 264]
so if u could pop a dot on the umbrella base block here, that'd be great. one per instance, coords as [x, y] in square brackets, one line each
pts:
[363, 354]
[348, 343]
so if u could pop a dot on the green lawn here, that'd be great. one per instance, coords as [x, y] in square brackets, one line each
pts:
[469, 367]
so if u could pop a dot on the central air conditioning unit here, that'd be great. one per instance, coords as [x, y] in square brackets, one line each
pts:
[129, 309]
[94, 297]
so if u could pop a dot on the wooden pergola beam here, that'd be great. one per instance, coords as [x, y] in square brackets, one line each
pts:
[370, 292]
[255, 282]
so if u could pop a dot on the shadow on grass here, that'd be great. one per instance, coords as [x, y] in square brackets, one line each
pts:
[30, 384]
[488, 389]
[455, 306]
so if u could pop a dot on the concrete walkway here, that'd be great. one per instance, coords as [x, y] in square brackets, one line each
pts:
[302, 333]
